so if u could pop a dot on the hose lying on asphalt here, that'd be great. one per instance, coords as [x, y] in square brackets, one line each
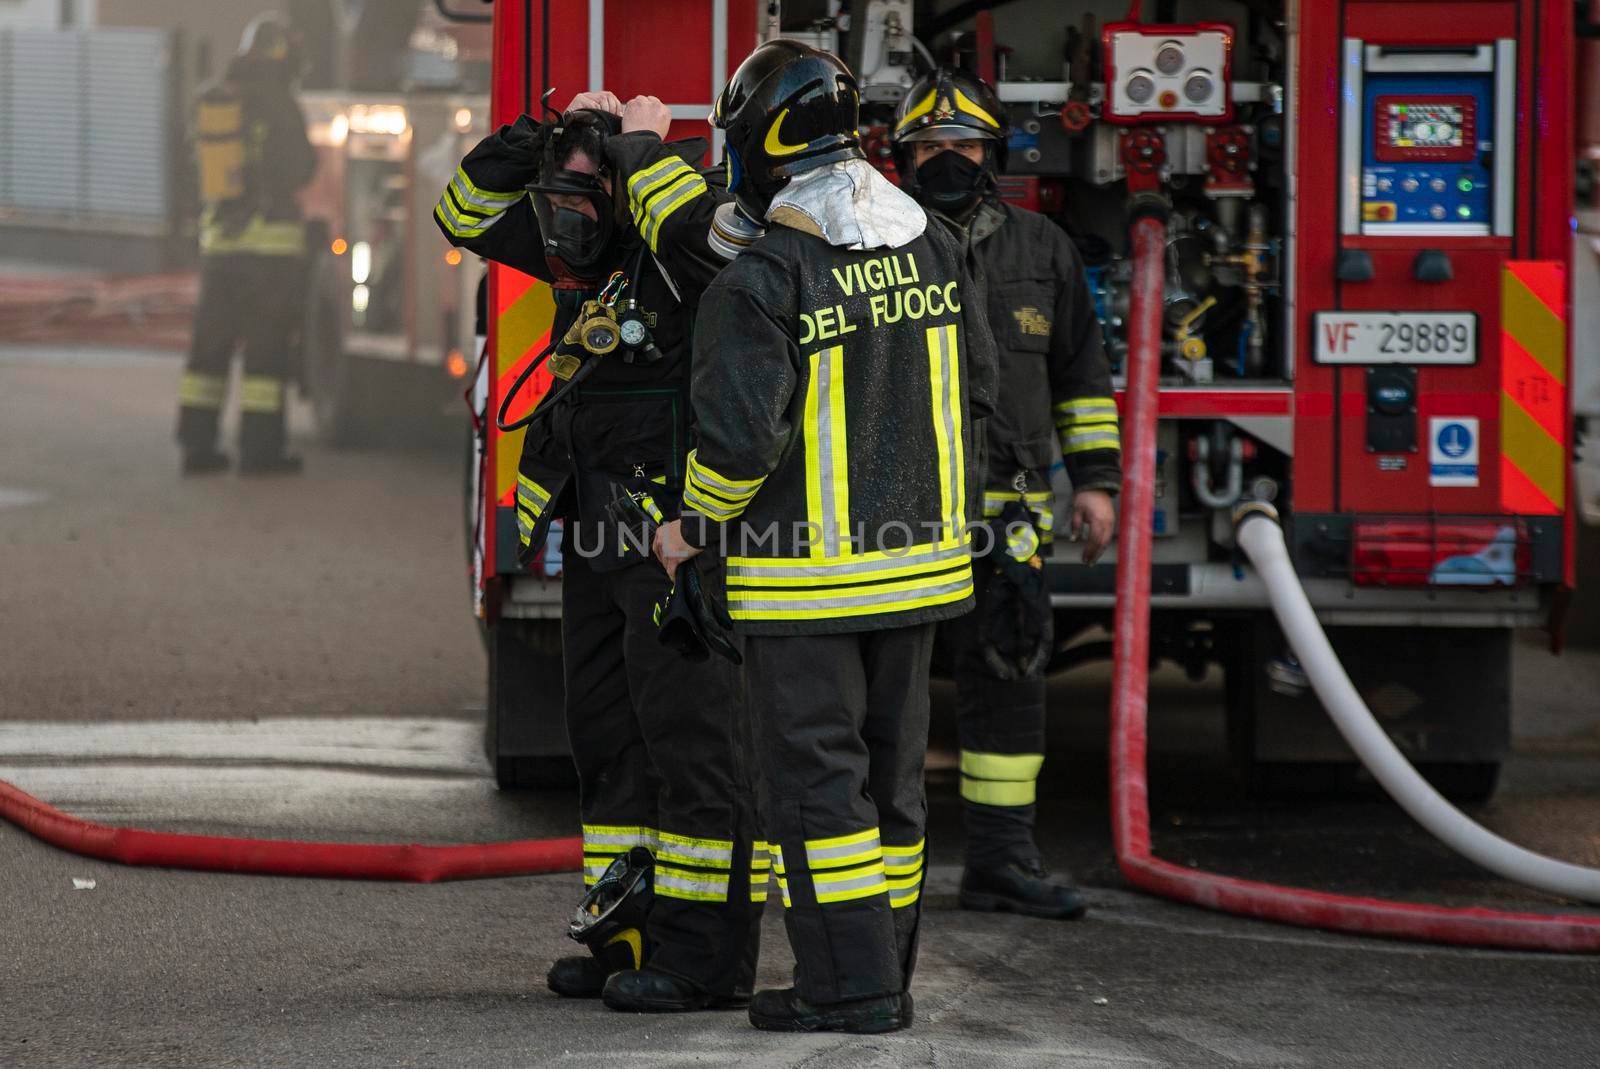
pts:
[1261, 538]
[277, 857]
[1130, 800]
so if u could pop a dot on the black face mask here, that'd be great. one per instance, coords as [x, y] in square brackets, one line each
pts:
[949, 182]
[575, 246]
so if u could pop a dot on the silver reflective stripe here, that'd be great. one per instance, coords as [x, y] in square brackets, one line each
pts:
[825, 473]
[1096, 437]
[828, 571]
[621, 840]
[904, 896]
[534, 490]
[831, 889]
[661, 207]
[693, 498]
[1083, 408]
[845, 601]
[867, 849]
[671, 851]
[706, 885]
[465, 226]
[488, 200]
[701, 474]
[947, 417]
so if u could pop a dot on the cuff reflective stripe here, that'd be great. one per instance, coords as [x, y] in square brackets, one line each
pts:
[532, 496]
[474, 196]
[848, 885]
[717, 495]
[1087, 438]
[197, 390]
[998, 792]
[690, 884]
[905, 892]
[659, 190]
[903, 865]
[261, 393]
[1080, 409]
[708, 507]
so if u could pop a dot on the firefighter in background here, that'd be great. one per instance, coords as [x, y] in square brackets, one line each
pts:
[254, 157]
[1054, 388]
[837, 378]
[599, 206]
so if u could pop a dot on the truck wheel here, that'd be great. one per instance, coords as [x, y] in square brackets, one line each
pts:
[525, 736]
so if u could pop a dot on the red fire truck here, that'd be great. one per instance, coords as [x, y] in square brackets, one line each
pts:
[1366, 322]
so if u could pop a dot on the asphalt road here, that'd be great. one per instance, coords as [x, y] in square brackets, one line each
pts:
[294, 658]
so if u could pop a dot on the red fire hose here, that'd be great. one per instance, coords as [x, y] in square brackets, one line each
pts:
[274, 857]
[1130, 802]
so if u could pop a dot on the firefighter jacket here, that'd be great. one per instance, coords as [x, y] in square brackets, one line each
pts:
[277, 159]
[1054, 378]
[836, 393]
[627, 424]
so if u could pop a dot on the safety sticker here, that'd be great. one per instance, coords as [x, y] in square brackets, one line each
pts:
[1453, 451]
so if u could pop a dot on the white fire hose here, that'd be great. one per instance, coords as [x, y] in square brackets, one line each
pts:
[1263, 543]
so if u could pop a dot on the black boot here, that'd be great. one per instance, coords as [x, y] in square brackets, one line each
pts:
[580, 976]
[1019, 887]
[650, 990]
[786, 1011]
[205, 462]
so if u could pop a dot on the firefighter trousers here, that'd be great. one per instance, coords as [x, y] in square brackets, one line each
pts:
[1001, 724]
[663, 756]
[249, 300]
[841, 728]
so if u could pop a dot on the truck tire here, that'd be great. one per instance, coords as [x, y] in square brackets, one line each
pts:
[525, 736]
[1442, 694]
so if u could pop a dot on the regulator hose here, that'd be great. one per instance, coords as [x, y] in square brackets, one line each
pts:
[277, 857]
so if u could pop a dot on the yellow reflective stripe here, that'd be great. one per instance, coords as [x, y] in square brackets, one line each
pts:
[998, 792]
[716, 495]
[526, 521]
[461, 225]
[689, 884]
[1083, 441]
[845, 594]
[619, 837]
[904, 860]
[783, 889]
[706, 506]
[1085, 407]
[261, 393]
[858, 605]
[642, 183]
[850, 884]
[919, 109]
[827, 471]
[729, 487]
[669, 200]
[714, 853]
[199, 390]
[261, 237]
[760, 856]
[944, 374]
[536, 493]
[873, 565]
[968, 105]
[1006, 766]
[809, 578]
[833, 857]
[474, 193]
[853, 839]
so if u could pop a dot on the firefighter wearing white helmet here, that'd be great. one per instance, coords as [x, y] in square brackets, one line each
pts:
[1054, 390]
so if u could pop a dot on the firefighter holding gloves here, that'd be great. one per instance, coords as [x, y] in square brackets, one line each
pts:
[596, 203]
[253, 157]
[1054, 389]
[839, 372]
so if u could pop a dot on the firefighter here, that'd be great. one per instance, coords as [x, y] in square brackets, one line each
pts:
[838, 372]
[597, 204]
[253, 156]
[1054, 389]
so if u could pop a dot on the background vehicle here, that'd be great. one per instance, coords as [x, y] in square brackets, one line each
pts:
[1366, 302]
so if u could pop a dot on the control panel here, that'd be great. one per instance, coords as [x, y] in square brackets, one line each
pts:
[1165, 73]
[1422, 140]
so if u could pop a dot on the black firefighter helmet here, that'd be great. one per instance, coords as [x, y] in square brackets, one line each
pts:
[788, 109]
[949, 103]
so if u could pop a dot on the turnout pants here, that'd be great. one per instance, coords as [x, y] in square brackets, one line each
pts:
[249, 300]
[1002, 724]
[662, 749]
[841, 725]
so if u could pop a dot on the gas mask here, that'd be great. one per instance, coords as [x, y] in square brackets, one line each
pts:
[575, 245]
[949, 182]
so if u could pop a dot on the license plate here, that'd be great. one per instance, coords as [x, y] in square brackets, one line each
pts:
[1395, 338]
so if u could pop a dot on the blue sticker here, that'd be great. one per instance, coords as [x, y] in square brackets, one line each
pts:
[1453, 451]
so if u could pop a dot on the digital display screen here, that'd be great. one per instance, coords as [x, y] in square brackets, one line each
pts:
[1426, 125]
[1431, 128]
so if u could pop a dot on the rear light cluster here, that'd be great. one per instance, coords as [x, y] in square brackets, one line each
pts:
[1421, 552]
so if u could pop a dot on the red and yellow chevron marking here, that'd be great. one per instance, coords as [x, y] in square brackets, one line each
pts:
[524, 311]
[1533, 388]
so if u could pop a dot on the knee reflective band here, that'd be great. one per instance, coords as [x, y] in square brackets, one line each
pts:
[760, 871]
[261, 393]
[903, 866]
[604, 843]
[199, 390]
[693, 869]
[1000, 779]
